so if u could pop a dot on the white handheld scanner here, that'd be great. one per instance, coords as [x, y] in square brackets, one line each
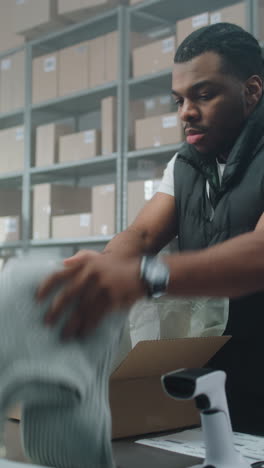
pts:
[207, 386]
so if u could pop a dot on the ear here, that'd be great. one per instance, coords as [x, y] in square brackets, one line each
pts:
[253, 91]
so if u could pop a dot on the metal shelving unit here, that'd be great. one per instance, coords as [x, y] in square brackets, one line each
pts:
[142, 17]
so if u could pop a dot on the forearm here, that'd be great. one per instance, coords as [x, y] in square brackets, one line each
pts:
[232, 268]
[128, 243]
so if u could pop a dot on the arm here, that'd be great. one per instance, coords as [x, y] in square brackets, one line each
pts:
[152, 229]
[232, 268]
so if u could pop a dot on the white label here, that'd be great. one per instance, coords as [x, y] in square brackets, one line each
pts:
[149, 104]
[50, 64]
[156, 141]
[104, 229]
[164, 100]
[6, 64]
[200, 20]
[10, 225]
[89, 136]
[47, 209]
[215, 17]
[19, 134]
[169, 121]
[105, 189]
[85, 220]
[168, 45]
[145, 169]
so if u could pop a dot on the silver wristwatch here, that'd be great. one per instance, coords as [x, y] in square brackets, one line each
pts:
[155, 274]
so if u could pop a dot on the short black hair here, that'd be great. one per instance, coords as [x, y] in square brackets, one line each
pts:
[240, 51]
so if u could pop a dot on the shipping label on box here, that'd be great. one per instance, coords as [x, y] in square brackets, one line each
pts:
[200, 20]
[9, 228]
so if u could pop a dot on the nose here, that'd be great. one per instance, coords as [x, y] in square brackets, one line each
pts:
[189, 112]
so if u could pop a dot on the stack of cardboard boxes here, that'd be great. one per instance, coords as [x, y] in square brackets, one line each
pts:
[74, 69]
[63, 211]
[236, 14]
[57, 143]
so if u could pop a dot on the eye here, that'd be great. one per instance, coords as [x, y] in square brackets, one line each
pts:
[178, 103]
[205, 97]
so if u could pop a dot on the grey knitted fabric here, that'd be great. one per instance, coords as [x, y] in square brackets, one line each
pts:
[66, 420]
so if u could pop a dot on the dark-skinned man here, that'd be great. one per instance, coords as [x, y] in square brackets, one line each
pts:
[212, 198]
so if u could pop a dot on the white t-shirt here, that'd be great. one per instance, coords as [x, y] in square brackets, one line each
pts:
[167, 182]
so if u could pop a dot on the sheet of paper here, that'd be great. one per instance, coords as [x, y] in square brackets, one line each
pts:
[190, 442]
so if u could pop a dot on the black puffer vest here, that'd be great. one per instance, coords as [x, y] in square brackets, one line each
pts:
[240, 203]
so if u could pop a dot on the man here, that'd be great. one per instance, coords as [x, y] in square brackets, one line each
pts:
[212, 197]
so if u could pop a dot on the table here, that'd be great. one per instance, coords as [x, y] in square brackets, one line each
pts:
[130, 455]
[127, 454]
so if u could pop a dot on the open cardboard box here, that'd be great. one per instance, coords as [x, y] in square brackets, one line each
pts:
[138, 402]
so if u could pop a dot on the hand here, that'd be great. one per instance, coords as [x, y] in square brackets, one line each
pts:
[100, 283]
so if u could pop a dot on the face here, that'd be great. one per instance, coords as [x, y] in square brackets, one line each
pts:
[212, 105]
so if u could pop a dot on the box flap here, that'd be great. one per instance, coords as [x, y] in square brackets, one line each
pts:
[153, 358]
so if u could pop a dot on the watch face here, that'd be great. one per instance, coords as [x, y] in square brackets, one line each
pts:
[156, 275]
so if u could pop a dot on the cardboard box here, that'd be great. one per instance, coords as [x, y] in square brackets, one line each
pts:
[35, 16]
[138, 402]
[8, 38]
[12, 82]
[236, 14]
[138, 193]
[109, 125]
[232, 14]
[188, 25]
[10, 202]
[158, 131]
[111, 56]
[96, 71]
[153, 57]
[71, 226]
[136, 112]
[47, 143]
[77, 10]
[45, 78]
[157, 105]
[79, 146]
[103, 210]
[9, 228]
[73, 69]
[56, 200]
[12, 150]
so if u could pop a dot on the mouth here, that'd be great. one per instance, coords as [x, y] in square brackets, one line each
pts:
[194, 136]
